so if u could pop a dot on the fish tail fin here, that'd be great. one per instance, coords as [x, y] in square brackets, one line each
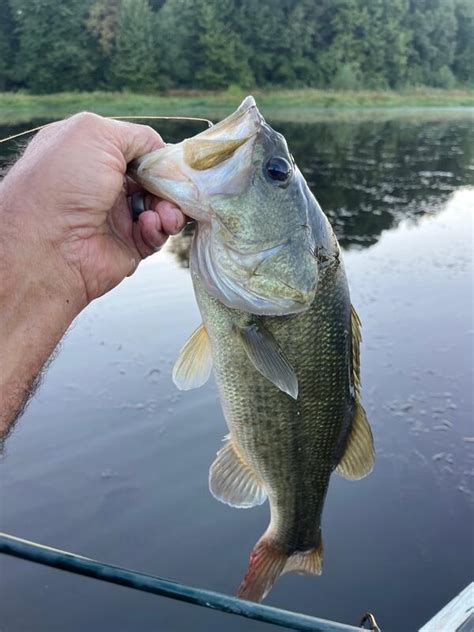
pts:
[306, 562]
[268, 562]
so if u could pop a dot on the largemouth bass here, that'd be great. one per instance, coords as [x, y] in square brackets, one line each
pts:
[278, 329]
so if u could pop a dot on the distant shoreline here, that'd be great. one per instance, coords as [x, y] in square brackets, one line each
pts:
[304, 105]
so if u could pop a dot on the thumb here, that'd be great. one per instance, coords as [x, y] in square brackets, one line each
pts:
[135, 140]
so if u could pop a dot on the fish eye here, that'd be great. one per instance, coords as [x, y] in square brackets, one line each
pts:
[278, 169]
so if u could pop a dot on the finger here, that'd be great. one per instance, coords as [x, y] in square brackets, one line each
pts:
[145, 249]
[134, 140]
[172, 219]
[151, 232]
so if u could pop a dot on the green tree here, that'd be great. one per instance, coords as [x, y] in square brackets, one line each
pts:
[343, 47]
[432, 24]
[176, 58]
[55, 51]
[143, 45]
[265, 31]
[6, 46]
[221, 55]
[103, 23]
[385, 43]
[133, 64]
[463, 64]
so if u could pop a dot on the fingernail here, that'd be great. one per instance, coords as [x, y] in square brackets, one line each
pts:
[133, 266]
[177, 219]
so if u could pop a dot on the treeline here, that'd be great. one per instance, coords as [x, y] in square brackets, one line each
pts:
[152, 45]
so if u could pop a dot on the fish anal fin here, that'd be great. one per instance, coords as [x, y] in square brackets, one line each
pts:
[194, 364]
[268, 359]
[233, 481]
[307, 562]
[358, 458]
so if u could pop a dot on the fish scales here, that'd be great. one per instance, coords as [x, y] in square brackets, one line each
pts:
[292, 445]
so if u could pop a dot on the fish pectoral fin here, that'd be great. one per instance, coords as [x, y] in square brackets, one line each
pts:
[233, 481]
[266, 356]
[359, 456]
[193, 366]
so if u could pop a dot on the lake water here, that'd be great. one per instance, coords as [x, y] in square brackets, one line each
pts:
[111, 462]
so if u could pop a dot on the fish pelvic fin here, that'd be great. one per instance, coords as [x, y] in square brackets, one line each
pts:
[359, 456]
[268, 562]
[194, 364]
[233, 481]
[268, 359]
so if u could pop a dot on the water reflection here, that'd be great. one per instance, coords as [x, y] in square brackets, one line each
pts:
[367, 176]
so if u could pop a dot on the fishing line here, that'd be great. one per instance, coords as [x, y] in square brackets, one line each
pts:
[117, 118]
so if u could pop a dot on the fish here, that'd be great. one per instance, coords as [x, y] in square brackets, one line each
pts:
[278, 330]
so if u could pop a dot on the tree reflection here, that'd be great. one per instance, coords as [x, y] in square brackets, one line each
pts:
[366, 175]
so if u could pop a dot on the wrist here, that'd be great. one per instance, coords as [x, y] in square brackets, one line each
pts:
[38, 301]
[36, 308]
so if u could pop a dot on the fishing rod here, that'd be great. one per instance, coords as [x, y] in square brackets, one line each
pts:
[49, 556]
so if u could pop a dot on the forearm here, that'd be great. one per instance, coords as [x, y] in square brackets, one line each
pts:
[36, 308]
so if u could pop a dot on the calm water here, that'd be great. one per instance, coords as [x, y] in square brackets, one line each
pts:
[110, 461]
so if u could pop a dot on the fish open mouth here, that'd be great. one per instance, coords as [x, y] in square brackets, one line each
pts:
[221, 179]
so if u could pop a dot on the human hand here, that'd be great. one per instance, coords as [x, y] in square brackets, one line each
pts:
[65, 208]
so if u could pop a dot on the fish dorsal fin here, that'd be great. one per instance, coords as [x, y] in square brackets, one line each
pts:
[266, 356]
[358, 458]
[356, 327]
[233, 481]
[193, 366]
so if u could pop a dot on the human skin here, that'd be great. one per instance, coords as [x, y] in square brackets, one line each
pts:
[66, 238]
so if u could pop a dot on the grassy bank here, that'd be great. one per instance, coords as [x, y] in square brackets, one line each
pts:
[19, 107]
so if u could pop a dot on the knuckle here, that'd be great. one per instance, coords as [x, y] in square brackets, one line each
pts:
[152, 132]
[85, 120]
